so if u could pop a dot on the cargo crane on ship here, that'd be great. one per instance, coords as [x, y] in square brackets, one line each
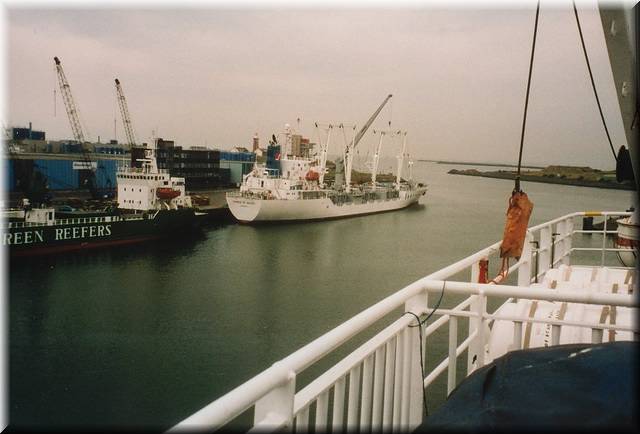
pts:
[126, 118]
[87, 165]
[347, 158]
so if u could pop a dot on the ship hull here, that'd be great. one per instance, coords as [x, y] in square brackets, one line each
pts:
[256, 210]
[97, 232]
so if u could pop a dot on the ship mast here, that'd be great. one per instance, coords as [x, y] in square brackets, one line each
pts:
[376, 159]
[348, 158]
[401, 158]
[324, 148]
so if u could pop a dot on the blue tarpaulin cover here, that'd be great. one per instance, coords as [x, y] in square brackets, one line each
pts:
[578, 386]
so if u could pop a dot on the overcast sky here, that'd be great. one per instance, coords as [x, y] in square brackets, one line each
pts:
[214, 76]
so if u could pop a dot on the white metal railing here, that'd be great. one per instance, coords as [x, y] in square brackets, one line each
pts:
[380, 384]
[266, 194]
[71, 221]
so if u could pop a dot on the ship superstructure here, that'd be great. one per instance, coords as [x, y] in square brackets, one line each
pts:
[148, 188]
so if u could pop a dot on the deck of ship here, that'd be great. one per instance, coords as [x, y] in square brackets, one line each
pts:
[567, 287]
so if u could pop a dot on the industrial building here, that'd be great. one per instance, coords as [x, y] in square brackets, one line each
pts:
[59, 164]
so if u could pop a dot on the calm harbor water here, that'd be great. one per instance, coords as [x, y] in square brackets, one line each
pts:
[145, 336]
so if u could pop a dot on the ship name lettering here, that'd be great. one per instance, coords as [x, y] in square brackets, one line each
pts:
[83, 232]
[22, 238]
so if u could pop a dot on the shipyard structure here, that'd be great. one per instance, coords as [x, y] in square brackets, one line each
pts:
[33, 163]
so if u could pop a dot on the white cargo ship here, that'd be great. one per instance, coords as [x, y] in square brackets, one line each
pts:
[296, 190]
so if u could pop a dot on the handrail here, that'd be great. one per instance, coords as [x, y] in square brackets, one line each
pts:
[219, 411]
[284, 372]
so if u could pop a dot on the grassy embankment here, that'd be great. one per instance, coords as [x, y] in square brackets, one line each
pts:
[568, 175]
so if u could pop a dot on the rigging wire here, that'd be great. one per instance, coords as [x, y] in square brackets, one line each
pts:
[526, 101]
[593, 84]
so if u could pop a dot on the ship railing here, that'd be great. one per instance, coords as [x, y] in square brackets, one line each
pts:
[304, 195]
[380, 384]
[88, 220]
[80, 220]
[11, 225]
[142, 170]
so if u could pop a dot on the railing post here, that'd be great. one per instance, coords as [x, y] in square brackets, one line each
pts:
[453, 346]
[524, 271]
[277, 406]
[568, 232]
[604, 239]
[559, 246]
[517, 336]
[596, 336]
[416, 304]
[472, 351]
[544, 252]
[480, 311]
[354, 396]
[555, 334]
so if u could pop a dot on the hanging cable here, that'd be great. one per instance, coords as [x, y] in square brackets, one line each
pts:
[424, 394]
[526, 101]
[593, 84]
[419, 324]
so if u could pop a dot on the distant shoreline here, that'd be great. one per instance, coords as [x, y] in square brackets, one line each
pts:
[546, 180]
[467, 163]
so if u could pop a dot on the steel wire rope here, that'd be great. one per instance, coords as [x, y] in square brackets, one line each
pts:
[526, 101]
[593, 84]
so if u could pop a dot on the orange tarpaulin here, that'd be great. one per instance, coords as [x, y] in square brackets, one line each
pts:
[515, 229]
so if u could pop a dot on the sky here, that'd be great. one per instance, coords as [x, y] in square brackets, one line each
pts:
[214, 74]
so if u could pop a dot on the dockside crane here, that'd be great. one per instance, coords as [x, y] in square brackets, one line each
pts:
[126, 118]
[74, 120]
[69, 104]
